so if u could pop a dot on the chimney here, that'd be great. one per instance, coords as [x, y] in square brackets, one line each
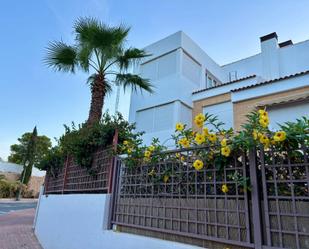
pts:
[270, 57]
[286, 43]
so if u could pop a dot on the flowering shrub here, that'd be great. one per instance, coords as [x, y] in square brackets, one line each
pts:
[83, 140]
[220, 144]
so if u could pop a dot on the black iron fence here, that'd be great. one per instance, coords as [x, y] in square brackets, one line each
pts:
[255, 199]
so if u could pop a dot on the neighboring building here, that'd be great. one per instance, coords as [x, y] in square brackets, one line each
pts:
[12, 172]
[187, 81]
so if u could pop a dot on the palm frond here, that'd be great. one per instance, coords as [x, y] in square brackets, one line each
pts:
[130, 57]
[61, 57]
[95, 34]
[134, 81]
[84, 56]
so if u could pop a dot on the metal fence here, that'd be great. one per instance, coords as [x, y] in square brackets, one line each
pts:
[73, 178]
[171, 197]
[285, 181]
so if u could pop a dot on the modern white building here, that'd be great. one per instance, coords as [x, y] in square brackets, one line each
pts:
[187, 81]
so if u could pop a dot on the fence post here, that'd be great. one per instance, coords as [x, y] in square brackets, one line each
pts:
[46, 182]
[111, 168]
[255, 202]
[65, 173]
[115, 183]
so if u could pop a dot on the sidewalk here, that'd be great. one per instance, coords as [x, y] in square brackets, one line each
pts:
[7, 200]
[16, 230]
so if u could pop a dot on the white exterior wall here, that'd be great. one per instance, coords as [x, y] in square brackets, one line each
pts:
[294, 58]
[175, 69]
[224, 89]
[178, 65]
[274, 87]
[160, 121]
[272, 62]
[284, 113]
[245, 67]
[7, 167]
[79, 221]
[224, 112]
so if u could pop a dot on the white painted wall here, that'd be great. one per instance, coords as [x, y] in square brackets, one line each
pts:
[160, 121]
[7, 167]
[78, 221]
[274, 87]
[273, 61]
[178, 65]
[294, 58]
[224, 89]
[244, 67]
[224, 112]
[284, 113]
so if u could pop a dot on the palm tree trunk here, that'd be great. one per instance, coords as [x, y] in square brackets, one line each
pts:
[97, 99]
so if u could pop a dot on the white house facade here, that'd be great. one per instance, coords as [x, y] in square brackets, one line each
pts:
[187, 81]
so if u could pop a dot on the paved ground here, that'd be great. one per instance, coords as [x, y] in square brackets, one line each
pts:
[16, 230]
[7, 206]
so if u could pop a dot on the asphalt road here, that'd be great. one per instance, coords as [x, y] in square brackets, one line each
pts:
[14, 206]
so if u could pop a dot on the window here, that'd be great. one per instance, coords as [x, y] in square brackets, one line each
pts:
[211, 81]
[155, 119]
[224, 112]
[287, 112]
[191, 69]
[160, 67]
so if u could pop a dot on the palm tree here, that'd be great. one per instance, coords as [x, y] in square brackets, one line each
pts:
[100, 49]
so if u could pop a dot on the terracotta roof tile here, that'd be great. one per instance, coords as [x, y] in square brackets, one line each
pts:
[224, 84]
[270, 81]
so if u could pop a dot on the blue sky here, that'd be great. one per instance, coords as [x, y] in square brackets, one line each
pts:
[31, 94]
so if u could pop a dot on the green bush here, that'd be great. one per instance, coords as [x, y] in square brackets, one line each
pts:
[83, 140]
[8, 188]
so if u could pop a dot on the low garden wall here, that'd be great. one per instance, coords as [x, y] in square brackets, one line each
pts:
[79, 221]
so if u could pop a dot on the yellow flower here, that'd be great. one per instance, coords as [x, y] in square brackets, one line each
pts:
[200, 117]
[199, 123]
[147, 154]
[264, 139]
[151, 148]
[263, 113]
[199, 120]
[180, 127]
[184, 142]
[165, 178]
[223, 142]
[152, 172]
[182, 158]
[280, 136]
[255, 134]
[225, 151]
[177, 155]
[200, 138]
[224, 188]
[198, 164]
[264, 121]
[205, 132]
[125, 142]
[129, 151]
[212, 137]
